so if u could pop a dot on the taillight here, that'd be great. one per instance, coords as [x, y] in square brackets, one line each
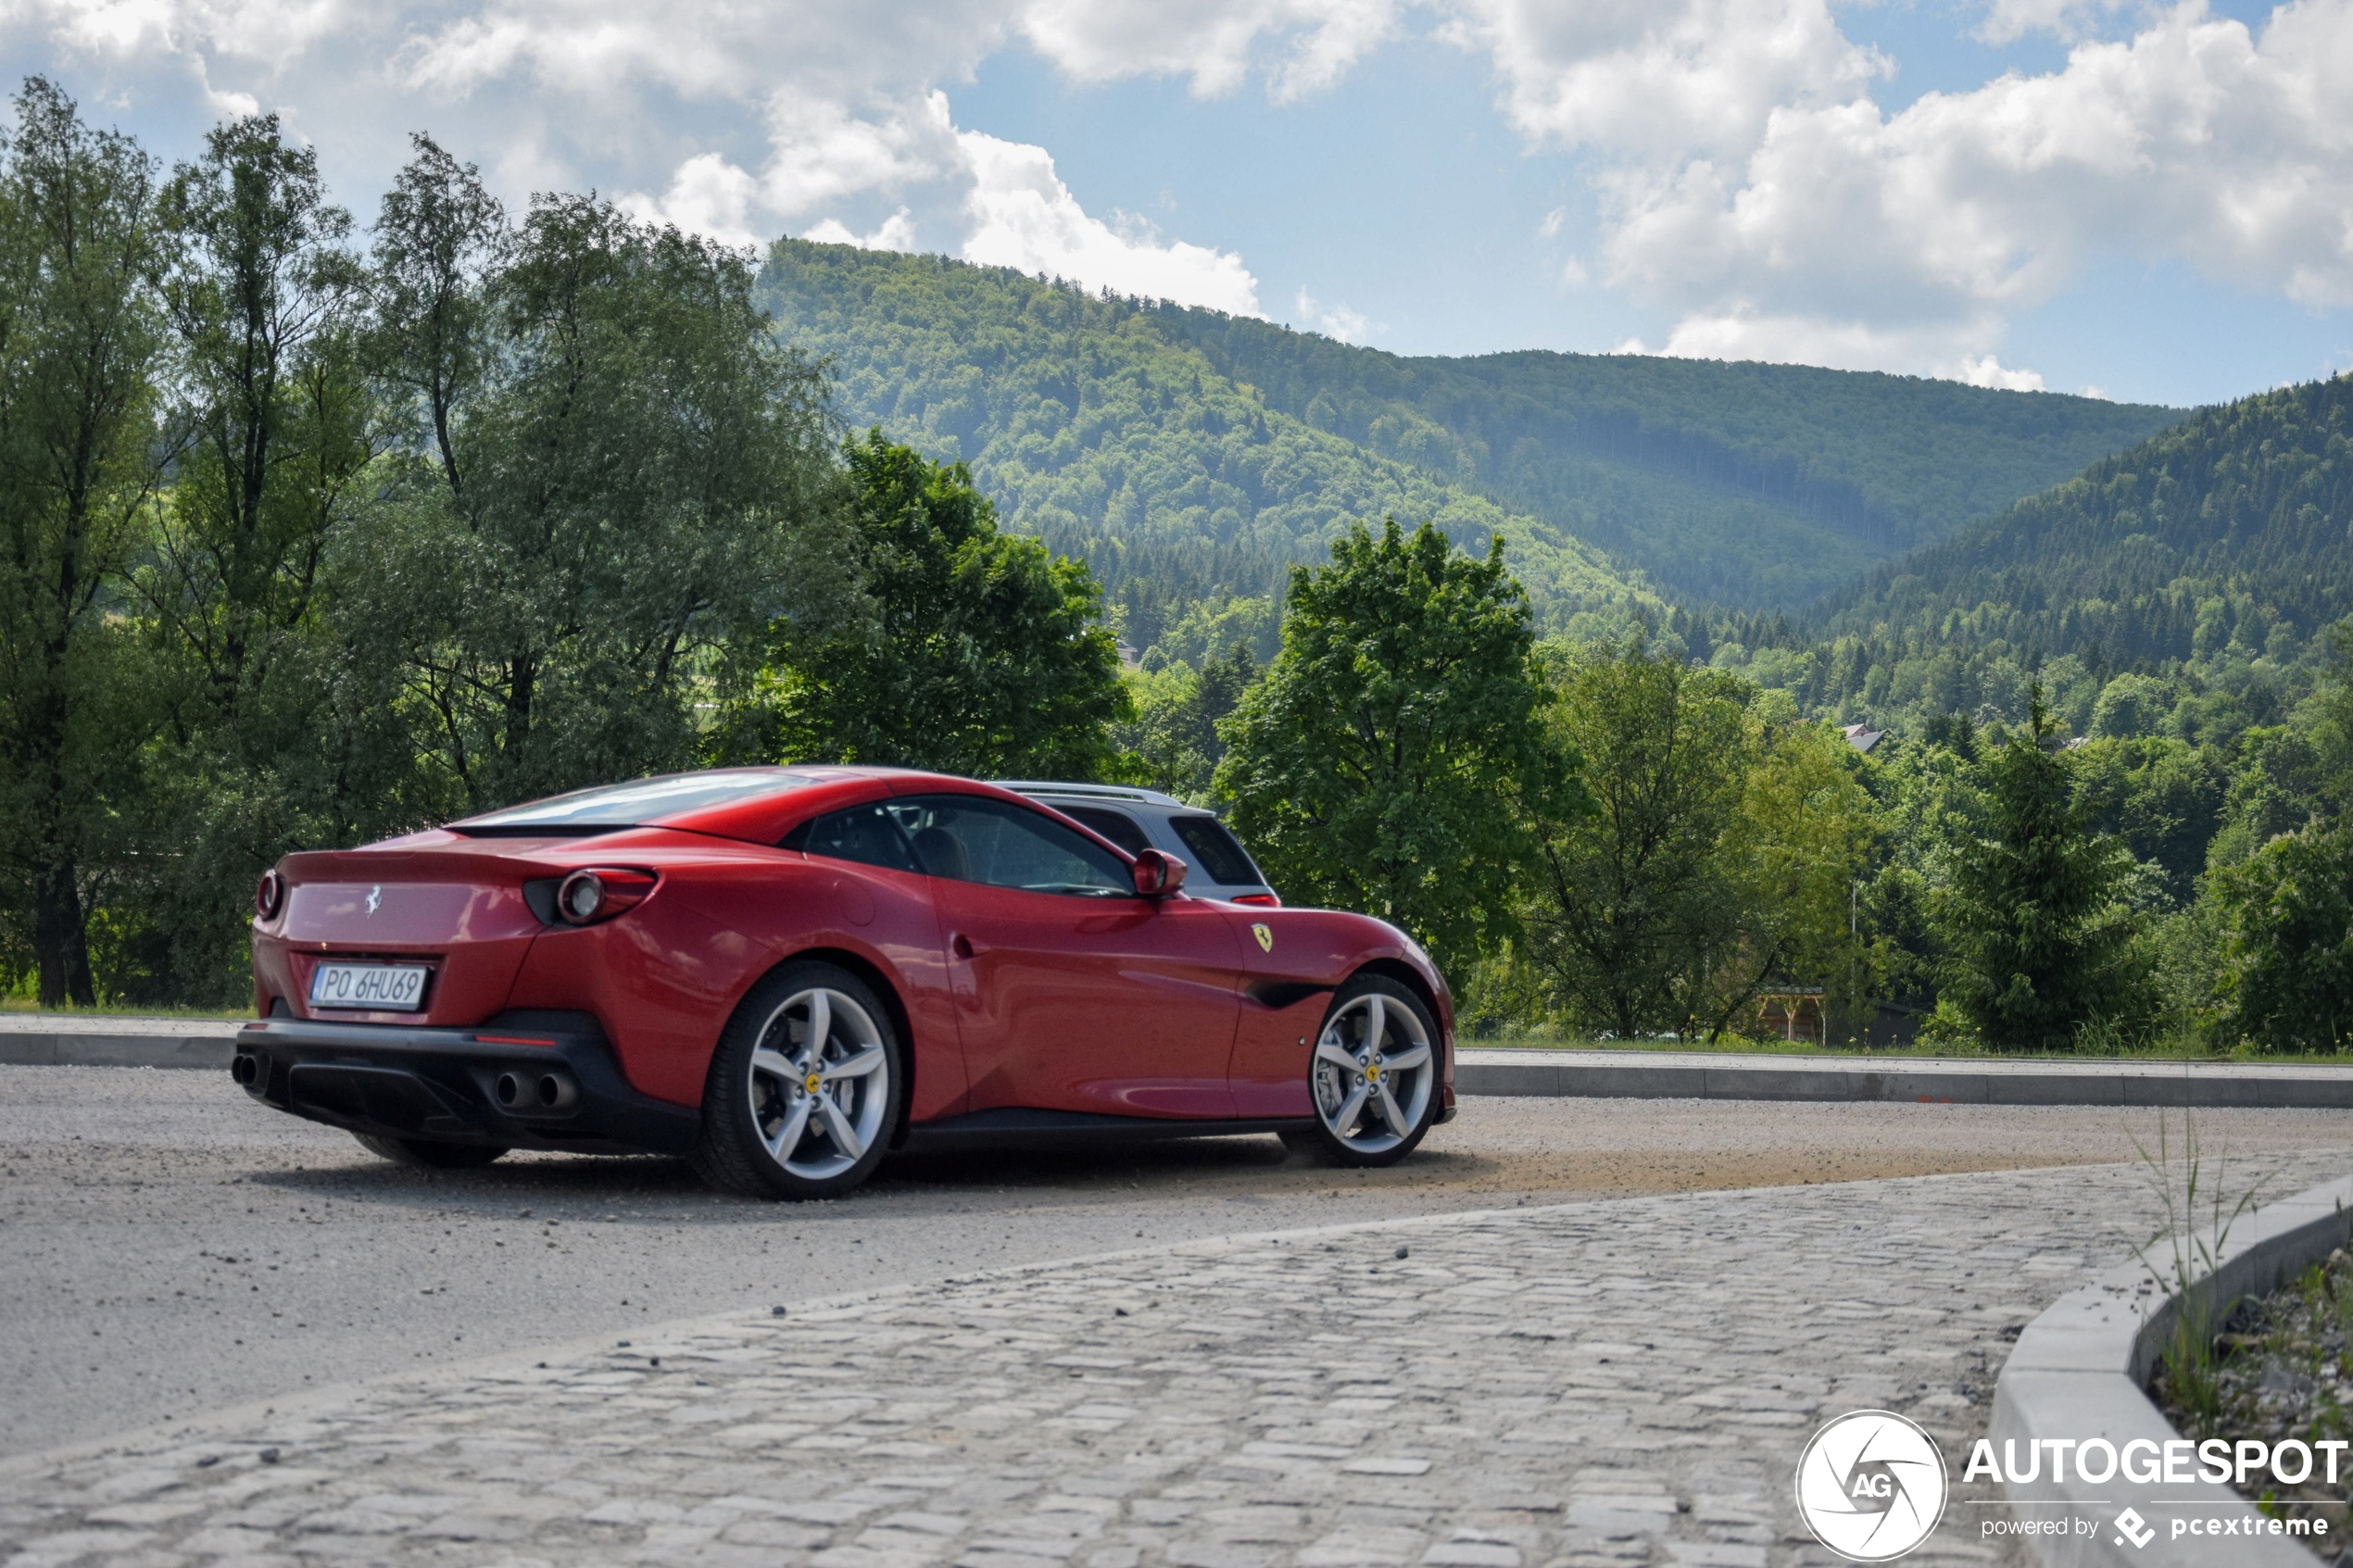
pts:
[1265, 900]
[271, 897]
[588, 897]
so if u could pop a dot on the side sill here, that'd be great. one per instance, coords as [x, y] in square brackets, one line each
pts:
[1018, 1127]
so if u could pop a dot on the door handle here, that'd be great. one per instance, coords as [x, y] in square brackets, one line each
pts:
[961, 945]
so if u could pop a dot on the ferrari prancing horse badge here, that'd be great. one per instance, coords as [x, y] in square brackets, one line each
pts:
[1265, 939]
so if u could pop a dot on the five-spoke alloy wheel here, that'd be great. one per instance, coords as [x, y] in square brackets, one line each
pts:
[804, 1093]
[1374, 1074]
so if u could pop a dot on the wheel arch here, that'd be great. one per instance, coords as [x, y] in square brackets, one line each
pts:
[1409, 977]
[902, 1021]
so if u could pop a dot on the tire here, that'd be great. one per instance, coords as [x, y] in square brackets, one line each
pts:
[1360, 1081]
[424, 1154]
[779, 1113]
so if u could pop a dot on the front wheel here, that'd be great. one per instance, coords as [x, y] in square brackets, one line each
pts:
[1374, 1076]
[802, 1098]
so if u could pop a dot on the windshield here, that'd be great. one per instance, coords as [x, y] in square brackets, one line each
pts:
[625, 804]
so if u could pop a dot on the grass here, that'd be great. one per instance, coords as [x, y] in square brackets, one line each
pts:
[2199, 1216]
[23, 1005]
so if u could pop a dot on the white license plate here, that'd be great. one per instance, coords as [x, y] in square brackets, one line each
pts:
[382, 987]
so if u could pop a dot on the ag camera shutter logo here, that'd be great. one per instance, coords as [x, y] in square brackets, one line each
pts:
[1871, 1486]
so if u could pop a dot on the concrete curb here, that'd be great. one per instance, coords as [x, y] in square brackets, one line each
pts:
[1958, 1080]
[2079, 1372]
[40, 1041]
[210, 1045]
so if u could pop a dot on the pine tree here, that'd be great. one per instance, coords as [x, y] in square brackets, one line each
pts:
[2039, 946]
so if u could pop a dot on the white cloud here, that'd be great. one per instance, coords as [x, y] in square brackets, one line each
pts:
[1752, 188]
[1023, 216]
[1747, 184]
[1210, 41]
[708, 195]
[821, 152]
[1666, 79]
[1337, 321]
[1004, 197]
[652, 100]
[897, 233]
[1987, 371]
[740, 51]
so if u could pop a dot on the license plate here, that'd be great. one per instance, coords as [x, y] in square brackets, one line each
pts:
[379, 987]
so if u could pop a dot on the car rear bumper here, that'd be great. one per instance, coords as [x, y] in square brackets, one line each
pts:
[523, 1088]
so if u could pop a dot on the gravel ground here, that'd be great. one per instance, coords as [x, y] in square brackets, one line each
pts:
[173, 1247]
[1581, 1385]
[2282, 1371]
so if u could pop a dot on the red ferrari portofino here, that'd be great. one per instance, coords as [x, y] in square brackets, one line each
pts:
[783, 973]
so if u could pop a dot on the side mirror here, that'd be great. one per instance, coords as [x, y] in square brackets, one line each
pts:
[1158, 875]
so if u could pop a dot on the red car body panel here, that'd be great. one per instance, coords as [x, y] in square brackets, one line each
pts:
[1170, 1009]
[1119, 1007]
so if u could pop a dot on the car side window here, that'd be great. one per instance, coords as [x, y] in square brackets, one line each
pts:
[867, 834]
[1216, 850]
[971, 838]
[1116, 825]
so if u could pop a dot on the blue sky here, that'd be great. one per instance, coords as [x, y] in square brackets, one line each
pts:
[2152, 202]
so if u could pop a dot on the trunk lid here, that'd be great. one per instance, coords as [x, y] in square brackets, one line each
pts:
[460, 911]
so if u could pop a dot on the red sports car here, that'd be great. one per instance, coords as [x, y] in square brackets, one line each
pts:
[783, 973]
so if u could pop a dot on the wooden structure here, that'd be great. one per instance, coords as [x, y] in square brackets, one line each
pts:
[1797, 1013]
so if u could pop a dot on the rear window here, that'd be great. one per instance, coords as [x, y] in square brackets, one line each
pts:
[625, 804]
[1117, 826]
[1215, 851]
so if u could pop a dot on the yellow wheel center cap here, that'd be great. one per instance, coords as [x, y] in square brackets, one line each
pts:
[1373, 1073]
[813, 1082]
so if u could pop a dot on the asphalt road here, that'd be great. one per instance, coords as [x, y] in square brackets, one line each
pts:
[169, 1248]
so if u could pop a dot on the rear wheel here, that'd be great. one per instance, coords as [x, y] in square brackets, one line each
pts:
[1374, 1076]
[802, 1098]
[424, 1154]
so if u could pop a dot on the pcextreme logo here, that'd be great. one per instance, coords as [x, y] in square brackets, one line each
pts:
[1871, 1486]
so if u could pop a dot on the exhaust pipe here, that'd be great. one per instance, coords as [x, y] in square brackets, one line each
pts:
[528, 1094]
[248, 1068]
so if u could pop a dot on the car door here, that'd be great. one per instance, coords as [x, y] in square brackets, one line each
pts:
[1071, 993]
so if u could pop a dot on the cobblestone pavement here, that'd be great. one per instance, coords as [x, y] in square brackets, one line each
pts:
[1589, 1384]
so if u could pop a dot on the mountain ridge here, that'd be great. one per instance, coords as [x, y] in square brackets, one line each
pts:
[1194, 456]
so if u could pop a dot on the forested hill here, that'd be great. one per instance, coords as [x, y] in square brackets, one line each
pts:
[1110, 437]
[2212, 556]
[1744, 484]
[1189, 454]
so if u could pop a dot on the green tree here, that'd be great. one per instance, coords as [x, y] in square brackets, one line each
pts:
[440, 236]
[1796, 854]
[1173, 744]
[2287, 941]
[80, 338]
[2039, 944]
[984, 654]
[264, 297]
[277, 422]
[1384, 761]
[613, 479]
[1635, 899]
